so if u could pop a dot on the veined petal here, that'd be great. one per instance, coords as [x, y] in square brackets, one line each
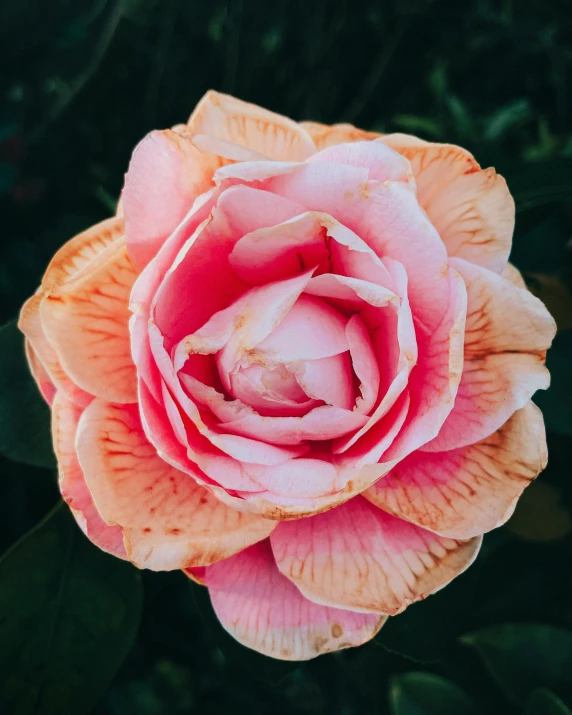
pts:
[232, 120]
[65, 418]
[166, 174]
[86, 320]
[264, 611]
[470, 490]
[168, 520]
[507, 334]
[470, 207]
[325, 135]
[359, 557]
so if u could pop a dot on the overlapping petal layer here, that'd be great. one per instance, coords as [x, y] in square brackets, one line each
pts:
[298, 365]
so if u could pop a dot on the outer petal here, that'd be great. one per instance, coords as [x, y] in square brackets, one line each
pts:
[507, 333]
[470, 490]
[73, 257]
[264, 611]
[65, 418]
[470, 207]
[87, 322]
[273, 136]
[39, 373]
[325, 135]
[79, 252]
[359, 557]
[30, 323]
[168, 520]
[166, 174]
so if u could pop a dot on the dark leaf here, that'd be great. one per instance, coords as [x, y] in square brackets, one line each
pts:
[523, 657]
[543, 702]
[556, 402]
[68, 616]
[428, 694]
[426, 629]
[24, 416]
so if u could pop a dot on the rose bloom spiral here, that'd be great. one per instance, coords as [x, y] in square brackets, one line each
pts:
[297, 365]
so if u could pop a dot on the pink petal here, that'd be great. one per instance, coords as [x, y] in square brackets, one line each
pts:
[65, 418]
[353, 292]
[357, 556]
[264, 611]
[310, 330]
[166, 174]
[470, 490]
[329, 379]
[395, 350]
[386, 216]
[243, 325]
[382, 163]
[434, 382]
[507, 334]
[364, 363]
[324, 422]
[471, 208]
[168, 520]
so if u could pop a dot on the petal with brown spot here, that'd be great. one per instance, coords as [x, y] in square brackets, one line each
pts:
[265, 611]
[470, 490]
[358, 556]
[168, 520]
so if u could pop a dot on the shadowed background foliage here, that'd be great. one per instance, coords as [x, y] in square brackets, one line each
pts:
[81, 82]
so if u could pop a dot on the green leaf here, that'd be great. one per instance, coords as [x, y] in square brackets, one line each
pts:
[555, 402]
[68, 616]
[24, 416]
[543, 702]
[428, 694]
[537, 183]
[523, 657]
[426, 630]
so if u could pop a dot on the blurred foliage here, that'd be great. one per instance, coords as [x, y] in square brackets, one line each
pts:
[80, 84]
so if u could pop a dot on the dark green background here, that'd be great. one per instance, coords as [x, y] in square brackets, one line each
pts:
[80, 83]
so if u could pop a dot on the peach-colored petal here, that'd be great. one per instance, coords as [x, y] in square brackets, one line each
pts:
[166, 174]
[470, 207]
[507, 334]
[325, 135]
[78, 253]
[513, 275]
[65, 418]
[168, 520]
[30, 324]
[86, 320]
[470, 490]
[357, 556]
[231, 120]
[264, 611]
[39, 373]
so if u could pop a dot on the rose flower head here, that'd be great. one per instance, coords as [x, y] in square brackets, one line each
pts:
[297, 365]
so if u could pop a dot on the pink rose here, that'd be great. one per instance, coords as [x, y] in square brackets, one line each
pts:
[297, 366]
